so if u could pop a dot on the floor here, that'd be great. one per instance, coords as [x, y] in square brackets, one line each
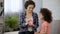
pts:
[15, 32]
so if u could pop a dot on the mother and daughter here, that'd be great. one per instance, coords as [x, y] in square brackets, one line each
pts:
[29, 20]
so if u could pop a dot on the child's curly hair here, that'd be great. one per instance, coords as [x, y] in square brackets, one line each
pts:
[47, 14]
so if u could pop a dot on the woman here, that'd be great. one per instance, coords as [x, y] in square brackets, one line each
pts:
[28, 19]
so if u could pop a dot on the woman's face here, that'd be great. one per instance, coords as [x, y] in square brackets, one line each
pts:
[30, 8]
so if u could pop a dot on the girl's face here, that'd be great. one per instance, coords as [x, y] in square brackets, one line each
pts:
[30, 8]
[41, 16]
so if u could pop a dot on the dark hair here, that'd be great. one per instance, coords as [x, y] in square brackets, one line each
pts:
[30, 2]
[47, 14]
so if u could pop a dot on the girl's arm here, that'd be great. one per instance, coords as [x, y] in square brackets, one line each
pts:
[45, 30]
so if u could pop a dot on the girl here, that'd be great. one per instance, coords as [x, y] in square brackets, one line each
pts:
[46, 17]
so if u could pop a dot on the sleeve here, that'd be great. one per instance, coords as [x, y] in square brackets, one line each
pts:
[22, 23]
[43, 28]
[36, 22]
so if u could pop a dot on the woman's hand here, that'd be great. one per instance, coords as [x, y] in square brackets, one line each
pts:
[30, 23]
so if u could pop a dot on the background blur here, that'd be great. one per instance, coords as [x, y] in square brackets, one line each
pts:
[1, 16]
[14, 7]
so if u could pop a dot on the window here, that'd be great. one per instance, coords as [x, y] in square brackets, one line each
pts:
[13, 6]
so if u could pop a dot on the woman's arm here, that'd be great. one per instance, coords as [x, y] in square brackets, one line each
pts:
[36, 21]
[22, 22]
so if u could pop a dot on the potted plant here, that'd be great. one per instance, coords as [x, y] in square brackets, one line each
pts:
[11, 22]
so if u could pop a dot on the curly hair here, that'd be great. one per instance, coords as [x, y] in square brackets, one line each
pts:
[47, 14]
[30, 2]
